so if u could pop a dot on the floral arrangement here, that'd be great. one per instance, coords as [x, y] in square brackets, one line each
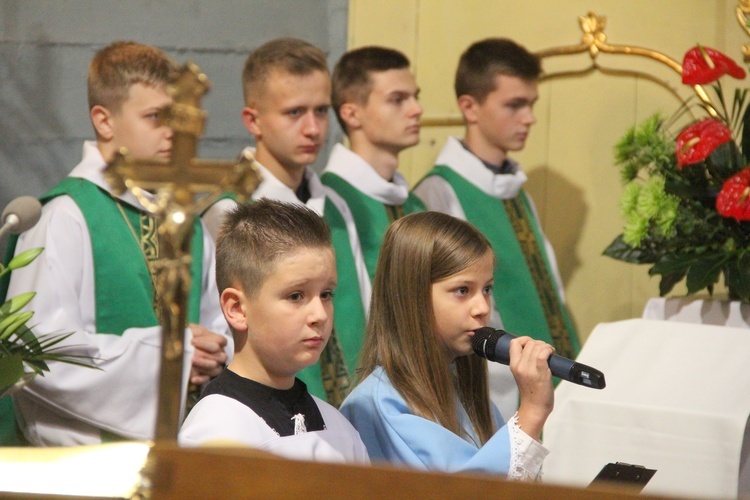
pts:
[23, 355]
[686, 200]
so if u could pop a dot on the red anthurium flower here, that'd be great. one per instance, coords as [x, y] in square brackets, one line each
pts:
[699, 140]
[734, 197]
[703, 65]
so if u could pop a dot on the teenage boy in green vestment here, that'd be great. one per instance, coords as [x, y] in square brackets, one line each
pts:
[94, 276]
[375, 100]
[496, 88]
[287, 93]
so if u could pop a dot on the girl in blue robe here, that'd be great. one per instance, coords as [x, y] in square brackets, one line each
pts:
[423, 399]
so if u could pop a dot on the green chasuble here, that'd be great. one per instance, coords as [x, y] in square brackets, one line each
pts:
[117, 252]
[525, 293]
[371, 217]
[123, 304]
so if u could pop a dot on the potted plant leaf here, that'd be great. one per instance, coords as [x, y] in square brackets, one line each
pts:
[23, 354]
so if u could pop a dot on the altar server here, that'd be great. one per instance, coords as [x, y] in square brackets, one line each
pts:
[276, 270]
[474, 179]
[287, 90]
[423, 402]
[375, 98]
[95, 275]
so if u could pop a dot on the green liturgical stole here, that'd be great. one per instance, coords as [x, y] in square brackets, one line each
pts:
[371, 217]
[525, 293]
[118, 249]
[349, 316]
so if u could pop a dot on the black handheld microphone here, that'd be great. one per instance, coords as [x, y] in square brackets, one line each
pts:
[495, 346]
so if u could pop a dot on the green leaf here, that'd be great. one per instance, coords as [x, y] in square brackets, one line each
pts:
[11, 371]
[725, 161]
[740, 95]
[24, 258]
[35, 352]
[16, 303]
[705, 273]
[620, 250]
[674, 263]
[27, 338]
[668, 281]
[702, 270]
[737, 277]
[690, 182]
[9, 325]
[38, 365]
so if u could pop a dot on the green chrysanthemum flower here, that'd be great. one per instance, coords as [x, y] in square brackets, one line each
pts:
[644, 148]
[629, 200]
[636, 228]
[651, 198]
[665, 221]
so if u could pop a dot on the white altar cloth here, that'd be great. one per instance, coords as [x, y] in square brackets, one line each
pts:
[677, 400]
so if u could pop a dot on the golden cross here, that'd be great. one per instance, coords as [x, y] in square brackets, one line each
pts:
[184, 187]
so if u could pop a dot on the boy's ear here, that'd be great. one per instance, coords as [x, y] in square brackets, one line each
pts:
[350, 114]
[468, 106]
[101, 118]
[250, 120]
[231, 301]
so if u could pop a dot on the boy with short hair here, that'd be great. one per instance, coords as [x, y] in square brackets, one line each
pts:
[287, 90]
[474, 180]
[375, 100]
[276, 269]
[95, 279]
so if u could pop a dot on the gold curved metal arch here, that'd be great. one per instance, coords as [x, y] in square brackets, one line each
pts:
[594, 41]
[594, 67]
[741, 11]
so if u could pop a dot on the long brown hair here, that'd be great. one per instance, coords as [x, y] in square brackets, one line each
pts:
[417, 251]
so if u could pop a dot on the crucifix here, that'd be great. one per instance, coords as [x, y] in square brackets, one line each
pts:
[184, 187]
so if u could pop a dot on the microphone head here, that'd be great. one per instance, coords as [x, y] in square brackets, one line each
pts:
[484, 341]
[27, 210]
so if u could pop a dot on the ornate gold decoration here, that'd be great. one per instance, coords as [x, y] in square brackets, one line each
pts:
[184, 186]
[593, 32]
[594, 41]
[742, 11]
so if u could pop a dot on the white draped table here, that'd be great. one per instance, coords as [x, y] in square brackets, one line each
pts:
[677, 400]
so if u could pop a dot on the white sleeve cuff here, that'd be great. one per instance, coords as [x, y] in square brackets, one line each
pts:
[526, 454]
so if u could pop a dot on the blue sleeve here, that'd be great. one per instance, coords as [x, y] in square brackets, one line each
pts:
[393, 434]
